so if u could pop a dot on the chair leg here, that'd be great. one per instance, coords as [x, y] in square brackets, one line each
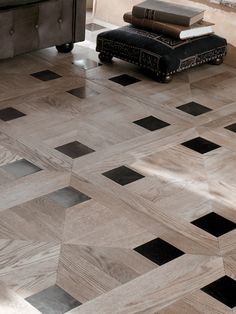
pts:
[65, 48]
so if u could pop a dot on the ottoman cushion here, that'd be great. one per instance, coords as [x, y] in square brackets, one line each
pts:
[157, 52]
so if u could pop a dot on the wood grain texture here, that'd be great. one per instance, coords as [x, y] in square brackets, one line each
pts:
[87, 247]
[12, 303]
[149, 292]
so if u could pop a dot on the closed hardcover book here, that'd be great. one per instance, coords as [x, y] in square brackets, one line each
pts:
[168, 12]
[177, 31]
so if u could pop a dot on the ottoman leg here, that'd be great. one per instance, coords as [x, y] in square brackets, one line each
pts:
[217, 61]
[164, 78]
[105, 57]
[65, 48]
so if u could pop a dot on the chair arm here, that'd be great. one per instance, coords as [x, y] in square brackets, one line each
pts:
[79, 20]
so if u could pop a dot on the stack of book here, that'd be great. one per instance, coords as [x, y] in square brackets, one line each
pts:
[171, 19]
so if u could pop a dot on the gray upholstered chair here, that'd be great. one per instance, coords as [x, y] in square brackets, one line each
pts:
[27, 25]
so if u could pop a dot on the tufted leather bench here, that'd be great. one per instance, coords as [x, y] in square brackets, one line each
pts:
[27, 25]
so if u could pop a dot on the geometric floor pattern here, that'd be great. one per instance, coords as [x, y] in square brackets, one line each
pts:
[76, 241]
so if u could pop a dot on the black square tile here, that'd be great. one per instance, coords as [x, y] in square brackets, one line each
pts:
[214, 224]
[83, 92]
[124, 80]
[46, 75]
[200, 145]
[68, 197]
[194, 108]
[123, 175]
[151, 123]
[10, 113]
[92, 27]
[86, 64]
[231, 127]
[21, 168]
[224, 290]
[74, 149]
[53, 300]
[159, 251]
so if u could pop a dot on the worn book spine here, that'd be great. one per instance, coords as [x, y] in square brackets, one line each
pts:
[161, 16]
[155, 26]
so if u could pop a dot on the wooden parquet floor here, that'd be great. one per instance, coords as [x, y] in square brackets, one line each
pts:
[116, 198]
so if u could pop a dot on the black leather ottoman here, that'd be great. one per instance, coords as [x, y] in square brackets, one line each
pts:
[158, 53]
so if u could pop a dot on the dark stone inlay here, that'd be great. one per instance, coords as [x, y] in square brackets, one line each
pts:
[194, 108]
[86, 64]
[21, 168]
[124, 80]
[224, 290]
[123, 175]
[159, 251]
[92, 27]
[231, 127]
[10, 113]
[53, 300]
[83, 92]
[68, 197]
[46, 75]
[214, 224]
[201, 145]
[74, 149]
[151, 123]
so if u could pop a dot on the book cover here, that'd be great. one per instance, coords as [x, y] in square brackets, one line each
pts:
[177, 31]
[168, 12]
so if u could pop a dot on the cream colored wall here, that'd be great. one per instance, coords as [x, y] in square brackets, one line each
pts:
[112, 11]
[89, 4]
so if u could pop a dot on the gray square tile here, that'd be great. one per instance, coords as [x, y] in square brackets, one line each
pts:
[46, 75]
[83, 92]
[124, 80]
[159, 251]
[214, 224]
[151, 123]
[194, 108]
[201, 145]
[68, 197]
[92, 27]
[223, 290]
[123, 175]
[21, 168]
[231, 127]
[74, 149]
[9, 113]
[53, 300]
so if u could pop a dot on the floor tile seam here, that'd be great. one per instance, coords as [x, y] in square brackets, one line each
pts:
[74, 266]
[165, 224]
[55, 166]
[124, 147]
[191, 290]
[210, 194]
[204, 89]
